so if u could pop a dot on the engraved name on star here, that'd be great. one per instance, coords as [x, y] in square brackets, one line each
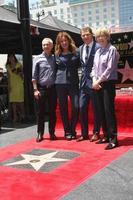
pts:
[127, 72]
[37, 161]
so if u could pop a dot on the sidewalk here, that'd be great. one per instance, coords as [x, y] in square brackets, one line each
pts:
[12, 134]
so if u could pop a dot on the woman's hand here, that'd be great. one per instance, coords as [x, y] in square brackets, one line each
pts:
[96, 85]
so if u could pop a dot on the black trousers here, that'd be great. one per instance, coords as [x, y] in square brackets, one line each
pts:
[47, 103]
[87, 95]
[106, 97]
[63, 92]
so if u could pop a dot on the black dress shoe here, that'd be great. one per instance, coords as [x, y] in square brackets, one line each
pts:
[111, 145]
[74, 135]
[39, 137]
[53, 137]
[68, 136]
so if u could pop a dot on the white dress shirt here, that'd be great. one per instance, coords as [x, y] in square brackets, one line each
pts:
[84, 50]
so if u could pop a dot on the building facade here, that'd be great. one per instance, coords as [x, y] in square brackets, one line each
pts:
[113, 14]
[126, 12]
[79, 13]
[57, 8]
[95, 13]
[2, 2]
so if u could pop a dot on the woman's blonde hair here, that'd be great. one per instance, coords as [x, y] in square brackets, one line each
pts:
[58, 49]
[103, 31]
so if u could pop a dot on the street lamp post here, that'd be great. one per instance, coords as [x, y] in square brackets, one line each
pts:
[24, 18]
[39, 14]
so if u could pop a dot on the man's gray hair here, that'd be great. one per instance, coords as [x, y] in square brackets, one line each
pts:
[48, 40]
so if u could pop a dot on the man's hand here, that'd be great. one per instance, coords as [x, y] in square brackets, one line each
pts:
[37, 94]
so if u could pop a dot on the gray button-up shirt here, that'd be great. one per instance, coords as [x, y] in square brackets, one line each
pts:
[43, 70]
[105, 64]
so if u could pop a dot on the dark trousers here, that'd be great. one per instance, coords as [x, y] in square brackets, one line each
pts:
[63, 92]
[48, 97]
[84, 100]
[106, 97]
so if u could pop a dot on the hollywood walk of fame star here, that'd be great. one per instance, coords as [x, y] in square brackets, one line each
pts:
[37, 161]
[131, 44]
[127, 72]
[125, 36]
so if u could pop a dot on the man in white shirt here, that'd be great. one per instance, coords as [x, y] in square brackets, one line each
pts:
[87, 52]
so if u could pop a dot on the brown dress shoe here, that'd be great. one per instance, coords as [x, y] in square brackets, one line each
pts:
[80, 139]
[102, 141]
[94, 138]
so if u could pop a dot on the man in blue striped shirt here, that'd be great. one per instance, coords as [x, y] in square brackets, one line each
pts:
[43, 79]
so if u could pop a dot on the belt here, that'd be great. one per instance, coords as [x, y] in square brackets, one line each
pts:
[45, 86]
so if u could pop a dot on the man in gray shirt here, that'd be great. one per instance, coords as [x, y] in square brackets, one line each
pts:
[43, 78]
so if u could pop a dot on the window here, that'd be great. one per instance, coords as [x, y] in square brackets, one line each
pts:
[82, 13]
[49, 13]
[82, 7]
[61, 11]
[68, 10]
[112, 8]
[55, 12]
[63, 1]
[82, 19]
[112, 2]
[97, 11]
[105, 10]
[75, 15]
[75, 21]
[113, 15]
[113, 21]
[97, 5]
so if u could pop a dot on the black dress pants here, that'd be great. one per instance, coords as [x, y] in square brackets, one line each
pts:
[106, 97]
[48, 97]
[65, 91]
[87, 95]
